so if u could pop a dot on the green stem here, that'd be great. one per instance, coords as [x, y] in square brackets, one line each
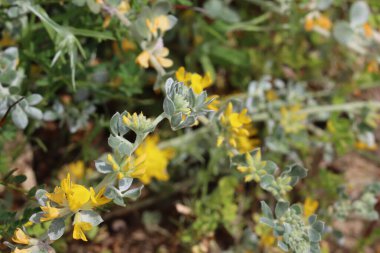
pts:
[109, 179]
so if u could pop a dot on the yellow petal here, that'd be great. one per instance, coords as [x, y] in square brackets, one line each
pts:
[143, 59]
[20, 237]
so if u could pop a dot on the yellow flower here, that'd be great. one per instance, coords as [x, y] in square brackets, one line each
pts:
[373, 66]
[79, 229]
[50, 213]
[264, 232]
[309, 24]
[324, 22]
[368, 32]
[309, 207]
[215, 104]
[364, 146]
[156, 160]
[130, 167]
[193, 80]
[6, 40]
[239, 130]
[318, 20]
[77, 197]
[145, 58]
[137, 122]
[255, 167]
[161, 23]
[292, 119]
[20, 237]
[71, 197]
[16, 250]
[77, 169]
[271, 95]
[98, 199]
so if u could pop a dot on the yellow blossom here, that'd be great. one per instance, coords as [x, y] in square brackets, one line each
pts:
[309, 24]
[156, 160]
[319, 20]
[255, 167]
[271, 95]
[292, 119]
[145, 58]
[131, 166]
[50, 213]
[368, 32]
[215, 104]
[20, 237]
[79, 229]
[17, 250]
[309, 207]
[6, 40]
[77, 169]
[373, 66]
[364, 146]
[161, 23]
[98, 199]
[193, 80]
[239, 130]
[71, 197]
[324, 22]
[264, 232]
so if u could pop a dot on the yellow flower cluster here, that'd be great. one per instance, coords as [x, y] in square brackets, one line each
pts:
[309, 207]
[129, 167]
[292, 118]
[156, 160]
[71, 198]
[147, 57]
[265, 233]
[319, 21]
[239, 130]
[193, 80]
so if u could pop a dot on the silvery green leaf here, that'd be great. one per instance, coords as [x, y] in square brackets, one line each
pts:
[312, 219]
[343, 32]
[119, 201]
[314, 235]
[281, 208]
[113, 141]
[267, 221]
[34, 112]
[172, 21]
[295, 171]
[324, 4]
[283, 246]
[176, 119]
[50, 116]
[34, 99]
[318, 226]
[111, 192]
[288, 228]
[56, 229]
[266, 181]
[133, 193]
[79, 2]
[103, 167]
[270, 167]
[114, 123]
[161, 8]
[297, 208]
[36, 217]
[125, 147]
[168, 85]
[41, 197]
[19, 117]
[169, 106]
[91, 217]
[359, 13]
[93, 6]
[267, 212]
[125, 183]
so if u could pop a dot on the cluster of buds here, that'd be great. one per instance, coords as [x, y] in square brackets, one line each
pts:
[182, 105]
